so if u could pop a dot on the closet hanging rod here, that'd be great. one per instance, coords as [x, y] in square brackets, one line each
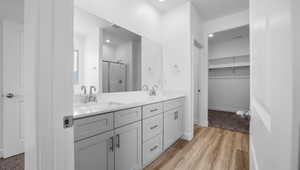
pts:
[115, 62]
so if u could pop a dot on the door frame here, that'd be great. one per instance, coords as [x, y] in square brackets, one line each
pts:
[48, 86]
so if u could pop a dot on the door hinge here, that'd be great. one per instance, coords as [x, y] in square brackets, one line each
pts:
[68, 122]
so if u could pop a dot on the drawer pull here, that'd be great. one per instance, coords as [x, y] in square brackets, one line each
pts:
[153, 127]
[111, 143]
[176, 115]
[154, 148]
[153, 110]
[118, 141]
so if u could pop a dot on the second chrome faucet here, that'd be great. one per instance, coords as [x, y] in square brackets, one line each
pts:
[91, 97]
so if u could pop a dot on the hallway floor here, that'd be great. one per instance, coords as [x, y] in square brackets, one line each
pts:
[211, 149]
[228, 120]
[12, 163]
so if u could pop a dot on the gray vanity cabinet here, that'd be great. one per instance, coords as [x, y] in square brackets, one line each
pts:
[95, 153]
[109, 141]
[128, 147]
[128, 139]
[173, 123]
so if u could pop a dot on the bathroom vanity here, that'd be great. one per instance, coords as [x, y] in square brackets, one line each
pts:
[117, 126]
[126, 135]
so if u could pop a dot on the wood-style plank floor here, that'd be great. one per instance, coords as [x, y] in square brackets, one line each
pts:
[12, 163]
[211, 149]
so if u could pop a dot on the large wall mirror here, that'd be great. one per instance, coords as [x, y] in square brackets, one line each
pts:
[106, 55]
[111, 58]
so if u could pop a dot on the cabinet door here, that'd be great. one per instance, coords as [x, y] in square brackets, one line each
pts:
[179, 122]
[95, 153]
[128, 147]
[172, 126]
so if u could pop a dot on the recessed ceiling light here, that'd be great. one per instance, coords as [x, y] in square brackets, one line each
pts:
[161, 0]
[211, 35]
[107, 41]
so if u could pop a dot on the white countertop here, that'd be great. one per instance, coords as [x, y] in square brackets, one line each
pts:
[110, 102]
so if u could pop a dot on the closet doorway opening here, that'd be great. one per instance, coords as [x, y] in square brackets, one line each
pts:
[229, 79]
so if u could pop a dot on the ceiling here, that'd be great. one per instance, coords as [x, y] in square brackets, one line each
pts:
[208, 9]
[118, 35]
[235, 33]
[167, 4]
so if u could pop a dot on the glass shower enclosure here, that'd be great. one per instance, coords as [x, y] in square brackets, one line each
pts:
[114, 76]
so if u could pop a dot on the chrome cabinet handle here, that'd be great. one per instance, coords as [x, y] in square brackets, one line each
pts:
[154, 148]
[118, 141]
[153, 127]
[10, 95]
[176, 115]
[153, 110]
[112, 147]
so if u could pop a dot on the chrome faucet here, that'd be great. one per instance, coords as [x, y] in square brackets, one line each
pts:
[92, 97]
[145, 87]
[153, 90]
[85, 97]
[83, 88]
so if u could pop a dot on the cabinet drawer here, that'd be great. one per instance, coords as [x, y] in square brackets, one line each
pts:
[152, 127]
[152, 149]
[125, 117]
[152, 109]
[91, 126]
[169, 105]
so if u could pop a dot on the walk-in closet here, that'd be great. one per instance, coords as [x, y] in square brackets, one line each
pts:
[229, 79]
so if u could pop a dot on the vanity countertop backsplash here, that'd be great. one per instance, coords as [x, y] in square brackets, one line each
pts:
[110, 102]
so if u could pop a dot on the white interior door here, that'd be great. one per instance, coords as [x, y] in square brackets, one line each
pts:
[13, 118]
[196, 52]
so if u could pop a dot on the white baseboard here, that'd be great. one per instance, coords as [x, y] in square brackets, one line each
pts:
[253, 159]
[225, 108]
[203, 123]
[188, 136]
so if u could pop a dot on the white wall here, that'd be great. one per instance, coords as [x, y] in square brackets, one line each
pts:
[228, 22]
[229, 48]
[91, 59]
[176, 38]
[272, 91]
[79, 44]
[231, 92]
[109, 52]
[87, 37]
[9, 10]
[137, 16]
[152, 55]
[211, 26]
[137, 64]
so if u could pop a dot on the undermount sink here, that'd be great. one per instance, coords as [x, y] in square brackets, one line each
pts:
[95, 106]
